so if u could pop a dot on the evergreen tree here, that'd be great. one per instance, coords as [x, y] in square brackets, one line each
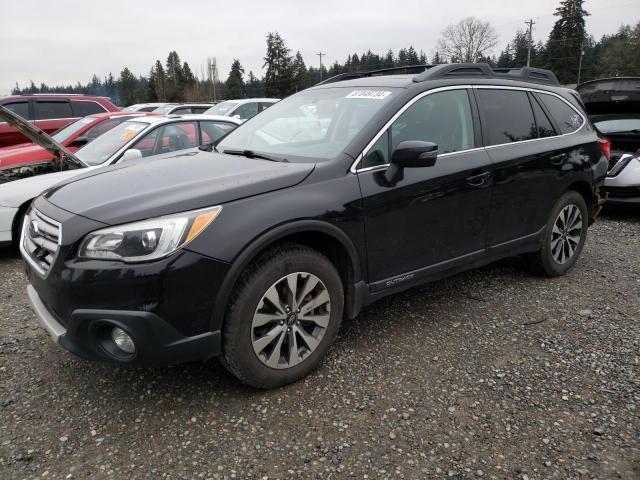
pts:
[157, 83]
[277, 79]
[175, 78]
[235, 87]
[412, 57]
[299, 72]
[565, 43]
[127, 87]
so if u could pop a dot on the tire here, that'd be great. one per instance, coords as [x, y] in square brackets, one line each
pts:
[561, 246]
[267, 346]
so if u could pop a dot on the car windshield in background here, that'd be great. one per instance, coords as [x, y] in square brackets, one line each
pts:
[619, 125]
[316, 123]
[221, 108]
[64, 133]
[103, 147]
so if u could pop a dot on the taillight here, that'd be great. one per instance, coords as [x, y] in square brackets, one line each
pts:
[605, 147]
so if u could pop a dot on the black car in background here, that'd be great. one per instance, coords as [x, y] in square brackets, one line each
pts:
[614, 107]
[362, 186]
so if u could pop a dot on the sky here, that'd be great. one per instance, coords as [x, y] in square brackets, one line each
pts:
[66, 41]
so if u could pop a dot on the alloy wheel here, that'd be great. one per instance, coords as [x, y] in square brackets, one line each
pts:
[290, 321]
[566, 234]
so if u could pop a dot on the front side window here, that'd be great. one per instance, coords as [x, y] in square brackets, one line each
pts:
[19, 108]
[82, 108]
[443, 118]
[317, 123]
[212, 131]
[46, 110]
[246, 111]
[506, 116]
[168, 138]
[566, 117]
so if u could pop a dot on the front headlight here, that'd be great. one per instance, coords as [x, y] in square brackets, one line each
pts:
[148, 239]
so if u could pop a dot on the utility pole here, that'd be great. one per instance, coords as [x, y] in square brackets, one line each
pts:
[320, 54]
[580, 60]
[531, 23]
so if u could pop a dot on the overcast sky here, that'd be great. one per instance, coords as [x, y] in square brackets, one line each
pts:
[65, 41]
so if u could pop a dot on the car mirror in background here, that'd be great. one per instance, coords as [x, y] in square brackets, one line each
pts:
[236, 116]
[131, 154]
[79, 142]
[410, 154]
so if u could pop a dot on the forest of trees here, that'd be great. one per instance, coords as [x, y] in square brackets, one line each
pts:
[617, 54]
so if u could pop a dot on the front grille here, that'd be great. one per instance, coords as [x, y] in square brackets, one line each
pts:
[41, 240]
[623, 192]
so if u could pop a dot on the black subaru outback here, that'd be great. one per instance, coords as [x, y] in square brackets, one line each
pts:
[354, 189]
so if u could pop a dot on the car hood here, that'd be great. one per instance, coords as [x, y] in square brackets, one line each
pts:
[611, 95]
[22, 154]
[152, 187]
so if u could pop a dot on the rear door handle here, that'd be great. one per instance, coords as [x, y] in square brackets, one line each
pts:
[558, 159]
[479, 179]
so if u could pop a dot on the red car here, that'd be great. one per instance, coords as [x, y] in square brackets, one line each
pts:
[49, 112]
[73, 136]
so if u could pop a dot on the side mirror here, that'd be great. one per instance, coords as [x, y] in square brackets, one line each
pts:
[131, 154]
[79, 142]
[411, 154]
[236, 116]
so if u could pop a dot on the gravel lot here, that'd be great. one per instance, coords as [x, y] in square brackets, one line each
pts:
[490, 374]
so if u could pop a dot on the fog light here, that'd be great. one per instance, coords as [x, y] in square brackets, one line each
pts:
[122, 340]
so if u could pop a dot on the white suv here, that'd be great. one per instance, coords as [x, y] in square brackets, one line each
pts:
[242, 109]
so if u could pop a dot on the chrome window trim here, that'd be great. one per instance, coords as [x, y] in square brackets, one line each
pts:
[353, 169]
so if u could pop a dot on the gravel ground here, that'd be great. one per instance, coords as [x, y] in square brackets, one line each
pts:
[490, 374]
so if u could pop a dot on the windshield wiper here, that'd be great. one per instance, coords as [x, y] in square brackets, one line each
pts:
[252, 154]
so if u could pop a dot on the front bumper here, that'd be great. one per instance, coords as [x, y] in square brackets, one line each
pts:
[87, 335]
[7, 216]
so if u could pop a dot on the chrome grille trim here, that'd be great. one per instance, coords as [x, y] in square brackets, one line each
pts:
[40, 240]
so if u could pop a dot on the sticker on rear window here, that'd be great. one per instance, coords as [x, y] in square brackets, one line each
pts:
[370, 94]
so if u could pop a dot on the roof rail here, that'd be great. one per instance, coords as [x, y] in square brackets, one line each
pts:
[448, 70]
[383, 71]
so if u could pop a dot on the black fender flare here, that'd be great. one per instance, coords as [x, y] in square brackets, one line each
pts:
[244, 258]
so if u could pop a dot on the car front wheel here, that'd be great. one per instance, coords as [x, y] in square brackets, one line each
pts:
[283, 316]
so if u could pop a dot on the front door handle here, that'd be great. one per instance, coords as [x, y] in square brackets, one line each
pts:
[479, 179]
[558, 159]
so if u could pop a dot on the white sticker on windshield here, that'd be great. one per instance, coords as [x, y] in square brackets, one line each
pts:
[371, 94]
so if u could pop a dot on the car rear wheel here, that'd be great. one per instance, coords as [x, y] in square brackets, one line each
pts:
[565, 234]
[283, 316]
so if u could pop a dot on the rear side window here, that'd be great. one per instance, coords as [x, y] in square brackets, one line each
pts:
[55, 109]
[84, 108]
[545, 128]
[566, 117]
[506, 116]
[19, 108]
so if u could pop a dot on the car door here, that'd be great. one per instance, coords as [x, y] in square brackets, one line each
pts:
[52, 115]
[8, 134]
[524, 173]
[434, 217]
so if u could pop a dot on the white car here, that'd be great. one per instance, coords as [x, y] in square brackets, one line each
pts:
[182, 108]
[143, 107]
[242, 109]
[136, 138]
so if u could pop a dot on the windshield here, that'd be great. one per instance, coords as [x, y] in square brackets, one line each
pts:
[316, 123]
[103, 147]
[64, 133]
[221, 108]
[618, 125]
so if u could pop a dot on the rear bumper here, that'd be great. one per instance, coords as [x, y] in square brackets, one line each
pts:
[87, 335]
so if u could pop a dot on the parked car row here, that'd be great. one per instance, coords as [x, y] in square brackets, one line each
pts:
[254, 247]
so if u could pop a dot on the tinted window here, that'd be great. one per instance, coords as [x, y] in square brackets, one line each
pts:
[378, 154]
[246, 111]
[19, 108]
[566, 117]
[545, 129]
[443, 118]
[55, 109]
[506, 116]
[212, 131]
[86, 107]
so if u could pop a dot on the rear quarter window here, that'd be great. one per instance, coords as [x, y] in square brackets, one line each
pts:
[567, 119]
